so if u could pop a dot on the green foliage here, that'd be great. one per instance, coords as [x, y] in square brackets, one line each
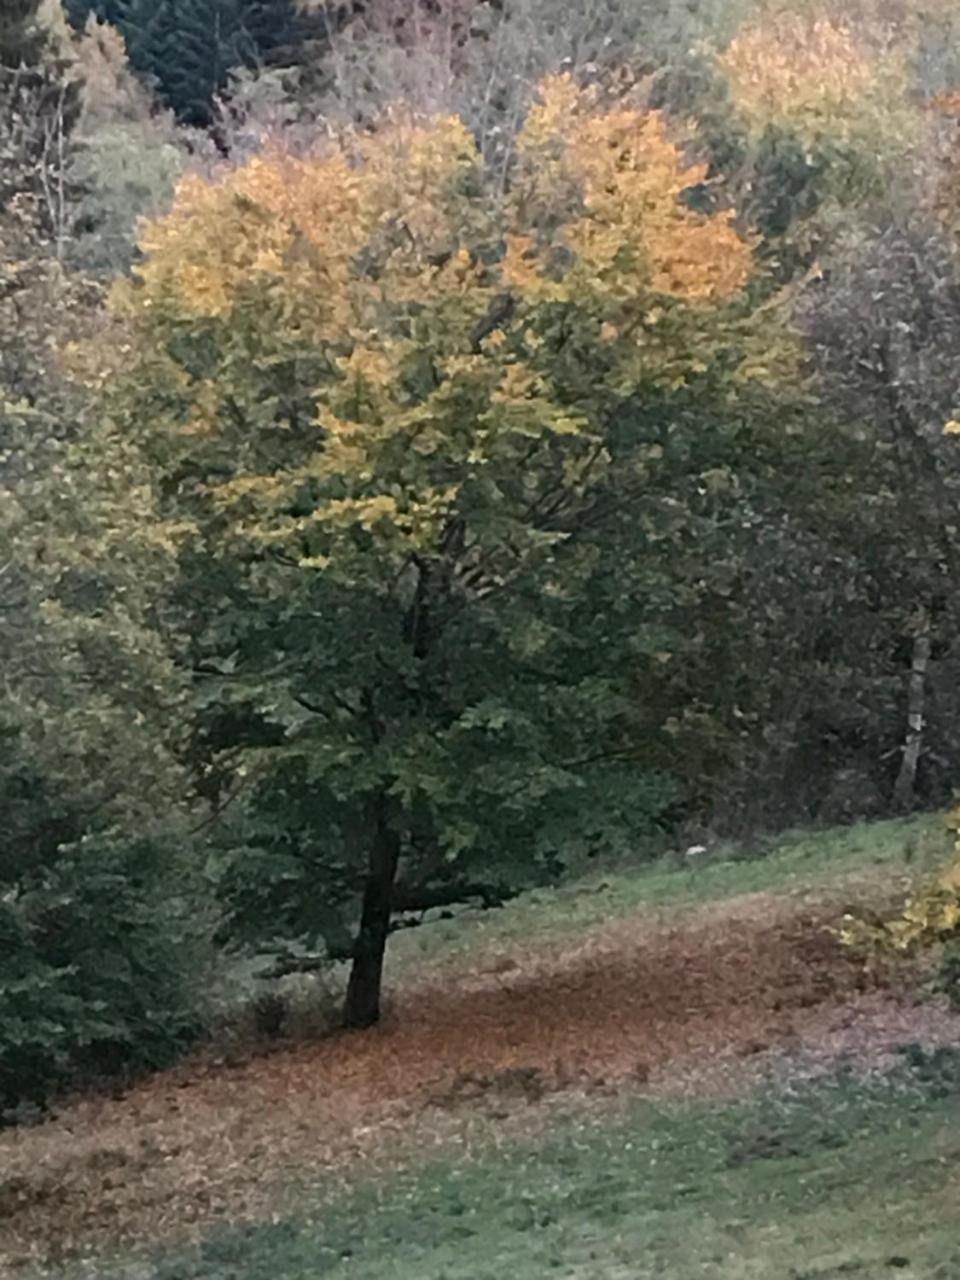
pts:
[453, 476]
[95, 973]
[948, 974]
[102, 964]
[187, 48]
[118, 13]
[22, 38]
[123, 171]
[125, 159]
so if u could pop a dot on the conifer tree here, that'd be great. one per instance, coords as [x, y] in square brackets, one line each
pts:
[187, 48]
[21, 37]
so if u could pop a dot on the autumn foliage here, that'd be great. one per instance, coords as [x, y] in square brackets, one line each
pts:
[814, 76]
[386, 257]
[380, 382]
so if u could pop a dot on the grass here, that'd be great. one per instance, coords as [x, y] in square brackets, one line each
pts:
[797, 861]
[844, 1177]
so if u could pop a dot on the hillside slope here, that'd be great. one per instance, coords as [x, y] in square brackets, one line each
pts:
[545, 1013]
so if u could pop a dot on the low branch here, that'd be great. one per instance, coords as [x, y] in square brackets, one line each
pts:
[222, 806]
[422, 901]
[315, 709]
[427, 897]
[286, 965]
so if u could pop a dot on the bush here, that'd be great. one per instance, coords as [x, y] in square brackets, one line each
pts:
[928, 923]
[245, 1010]
[101, 965]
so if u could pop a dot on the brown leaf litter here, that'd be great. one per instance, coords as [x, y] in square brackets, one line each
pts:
[707, 1000]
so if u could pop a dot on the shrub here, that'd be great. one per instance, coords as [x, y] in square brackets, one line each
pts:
[246, 1012]
[101, 964]
[928, 923]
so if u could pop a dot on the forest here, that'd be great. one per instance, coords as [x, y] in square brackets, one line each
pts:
[448, 447]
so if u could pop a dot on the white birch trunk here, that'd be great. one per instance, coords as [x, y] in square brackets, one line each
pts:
[905, 785]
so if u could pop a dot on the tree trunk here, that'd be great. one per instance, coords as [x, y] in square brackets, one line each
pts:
[361, 1008]
[903, 789]
[362, 1005]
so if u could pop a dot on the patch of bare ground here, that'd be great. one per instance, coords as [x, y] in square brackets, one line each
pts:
[705, 1002]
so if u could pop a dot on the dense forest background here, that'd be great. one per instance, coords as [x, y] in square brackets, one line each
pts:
[443, 442]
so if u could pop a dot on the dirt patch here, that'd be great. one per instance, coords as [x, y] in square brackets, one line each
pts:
[708, 1000]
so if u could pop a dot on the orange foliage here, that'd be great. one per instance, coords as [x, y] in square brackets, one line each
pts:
[613, 180]
[394, 248]
[814, 77]
[634, 227]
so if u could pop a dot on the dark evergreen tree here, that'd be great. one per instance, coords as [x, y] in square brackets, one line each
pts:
[116, 12]
[21, 38]
[281, 33]
[187, 48]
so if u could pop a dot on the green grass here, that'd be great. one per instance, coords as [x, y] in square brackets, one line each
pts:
[795, 861]
[838, 1178]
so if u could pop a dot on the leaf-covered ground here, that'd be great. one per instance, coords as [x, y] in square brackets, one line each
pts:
[675, 986]
[843, 1176]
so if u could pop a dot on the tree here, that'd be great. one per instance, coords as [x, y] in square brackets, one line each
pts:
[884, 332]
[125, 158]
[115, 12]
[399, 431]
[88, 708]
[822, 120]
[186, 49]
[22, 38]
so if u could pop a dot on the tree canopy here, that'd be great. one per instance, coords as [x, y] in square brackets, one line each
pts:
[399, 424]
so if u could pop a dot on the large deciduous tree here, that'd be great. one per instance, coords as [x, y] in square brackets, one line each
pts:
[404, 432]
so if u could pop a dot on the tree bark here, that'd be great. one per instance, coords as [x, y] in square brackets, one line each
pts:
[904, 787]
[362, 1005]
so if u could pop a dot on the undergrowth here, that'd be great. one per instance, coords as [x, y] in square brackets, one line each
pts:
[928, 922]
